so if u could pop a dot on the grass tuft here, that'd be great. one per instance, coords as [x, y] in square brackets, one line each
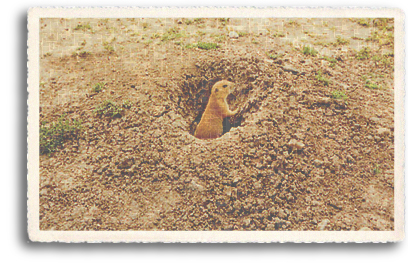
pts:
[53, 136]
[309, 51]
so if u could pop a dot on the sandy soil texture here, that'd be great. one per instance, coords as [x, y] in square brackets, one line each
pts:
[312, 147]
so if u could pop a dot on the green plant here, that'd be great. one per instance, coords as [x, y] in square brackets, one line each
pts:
[83, 27]
[109, 48]
[171, 34]
[279, 34]
[371, 85]
[293, 23]
[363, 22]
[341, 41]
[198, 20]
[273, 56]
[309, 51]
[363, 54]
[109, 109]
[53, 136]
[332, 60]
[224, 20]
[382, 22]
[376, 169]
[322, 79]
[219, 38]
[339, 95]
[98, 87]
[127, 104]
[207, 45]
[382, 37]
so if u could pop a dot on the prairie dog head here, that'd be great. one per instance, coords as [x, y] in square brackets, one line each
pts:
[222, 89]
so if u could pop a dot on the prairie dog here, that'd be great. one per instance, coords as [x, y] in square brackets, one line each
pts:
[217, 109]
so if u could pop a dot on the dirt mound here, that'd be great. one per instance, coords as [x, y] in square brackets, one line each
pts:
[296, 157]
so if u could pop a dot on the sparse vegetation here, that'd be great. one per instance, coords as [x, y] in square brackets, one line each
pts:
[127, 104]
[219, 38]
[309, 51]
[224, 21]
[369, 84]
[341, 41]
[363, 54]
[83, 27]
[109, 48]
[376, 169]
[109, 109]
[382, 37]
[273, 56]
[293, 23]
[207, 45]
[322, 79]
[171, 34]
[279, 34]
[53, 136]
[339, 95]
[98, 87]
[363, 22]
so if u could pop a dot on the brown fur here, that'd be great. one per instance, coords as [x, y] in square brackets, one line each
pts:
[217, 109]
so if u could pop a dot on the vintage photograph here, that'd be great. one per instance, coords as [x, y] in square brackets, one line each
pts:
[216, 123]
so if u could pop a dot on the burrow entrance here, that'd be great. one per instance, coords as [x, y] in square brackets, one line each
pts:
[252, 78]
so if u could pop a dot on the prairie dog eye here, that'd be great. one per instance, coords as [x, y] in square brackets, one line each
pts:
[224, 86]
[216, 90]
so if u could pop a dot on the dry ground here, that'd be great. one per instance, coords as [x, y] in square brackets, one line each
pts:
[312, 147]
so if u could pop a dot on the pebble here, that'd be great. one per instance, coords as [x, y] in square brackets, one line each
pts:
[322, 225]
[281, 214]
[291, 69]
[318, 162]
[296, 144]
[383, 131]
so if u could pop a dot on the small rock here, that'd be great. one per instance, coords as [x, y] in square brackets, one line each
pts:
[195, 186]
[318, 162]
[233, 35]
[257, 185]
[281, 214]
[247, 222]
[383, 131]
[270, 227]
[290, 69]
[322, 225]
[296, 144]
[321, 100]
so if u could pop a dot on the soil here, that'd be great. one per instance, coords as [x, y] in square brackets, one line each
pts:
[295, 157]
